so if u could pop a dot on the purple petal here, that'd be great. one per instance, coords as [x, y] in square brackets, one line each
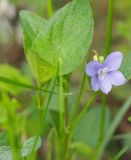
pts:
[95, 83]
[117, 78]
[113, 61]
[92, 68]
[105, 85]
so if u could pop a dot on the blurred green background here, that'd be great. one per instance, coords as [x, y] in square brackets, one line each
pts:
[20, 100]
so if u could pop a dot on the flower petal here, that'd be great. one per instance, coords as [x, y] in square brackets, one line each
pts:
[113, 61]
[117, 78]
[105, 85]
[92, 68]
[95, 83]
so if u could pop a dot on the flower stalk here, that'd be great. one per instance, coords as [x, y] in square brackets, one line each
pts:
[109, 26]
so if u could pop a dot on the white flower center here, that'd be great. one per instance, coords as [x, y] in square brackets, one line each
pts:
[102, 73]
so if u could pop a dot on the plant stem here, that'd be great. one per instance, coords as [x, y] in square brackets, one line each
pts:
[78, 118]
[66, 90]
[102, 124]
[109, 26]
[41, 98]
[103, 113]
[49, 155]
[61, 98]
[41, 108]
[48, 101]
[91, 100]
[50, 8]
[62, 136]
[76, 107]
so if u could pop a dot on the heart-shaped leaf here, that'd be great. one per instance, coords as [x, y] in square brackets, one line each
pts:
[67, 35]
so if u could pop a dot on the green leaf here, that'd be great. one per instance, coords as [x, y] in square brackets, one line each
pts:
[31, 26]
[3, 138]
[87, 130]
[67, 35]
[126, 66]
[5, 101]
[28, 86]
[5, 153]
[81, 148]
[120, 153]
[42, 70]
[119, 116]
[13, 74]
[28, 146]
[127, 141]
[54, 118]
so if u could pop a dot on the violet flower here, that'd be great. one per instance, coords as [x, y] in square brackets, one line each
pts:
[105, 75]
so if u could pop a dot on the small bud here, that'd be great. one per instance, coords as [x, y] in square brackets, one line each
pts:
[101, 59]
[95, 58]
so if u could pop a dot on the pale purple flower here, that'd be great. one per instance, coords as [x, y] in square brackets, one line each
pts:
[105, 75]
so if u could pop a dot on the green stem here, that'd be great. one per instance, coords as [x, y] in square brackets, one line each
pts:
[41, 108]
[67, 120]
[63, 147]
[48, 101]
[91, 100]
[41, 98]
[50, 8]
[66, 89]
[109, 26]
[102, 124]
[103, 112]
[61, 98]
[78, 118]
[49, 151]
[76, 107]
[77, 104]
[65, 138]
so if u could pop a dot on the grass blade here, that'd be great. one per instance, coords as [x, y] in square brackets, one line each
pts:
[120, 153]
[27, 86]
[114, 125]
